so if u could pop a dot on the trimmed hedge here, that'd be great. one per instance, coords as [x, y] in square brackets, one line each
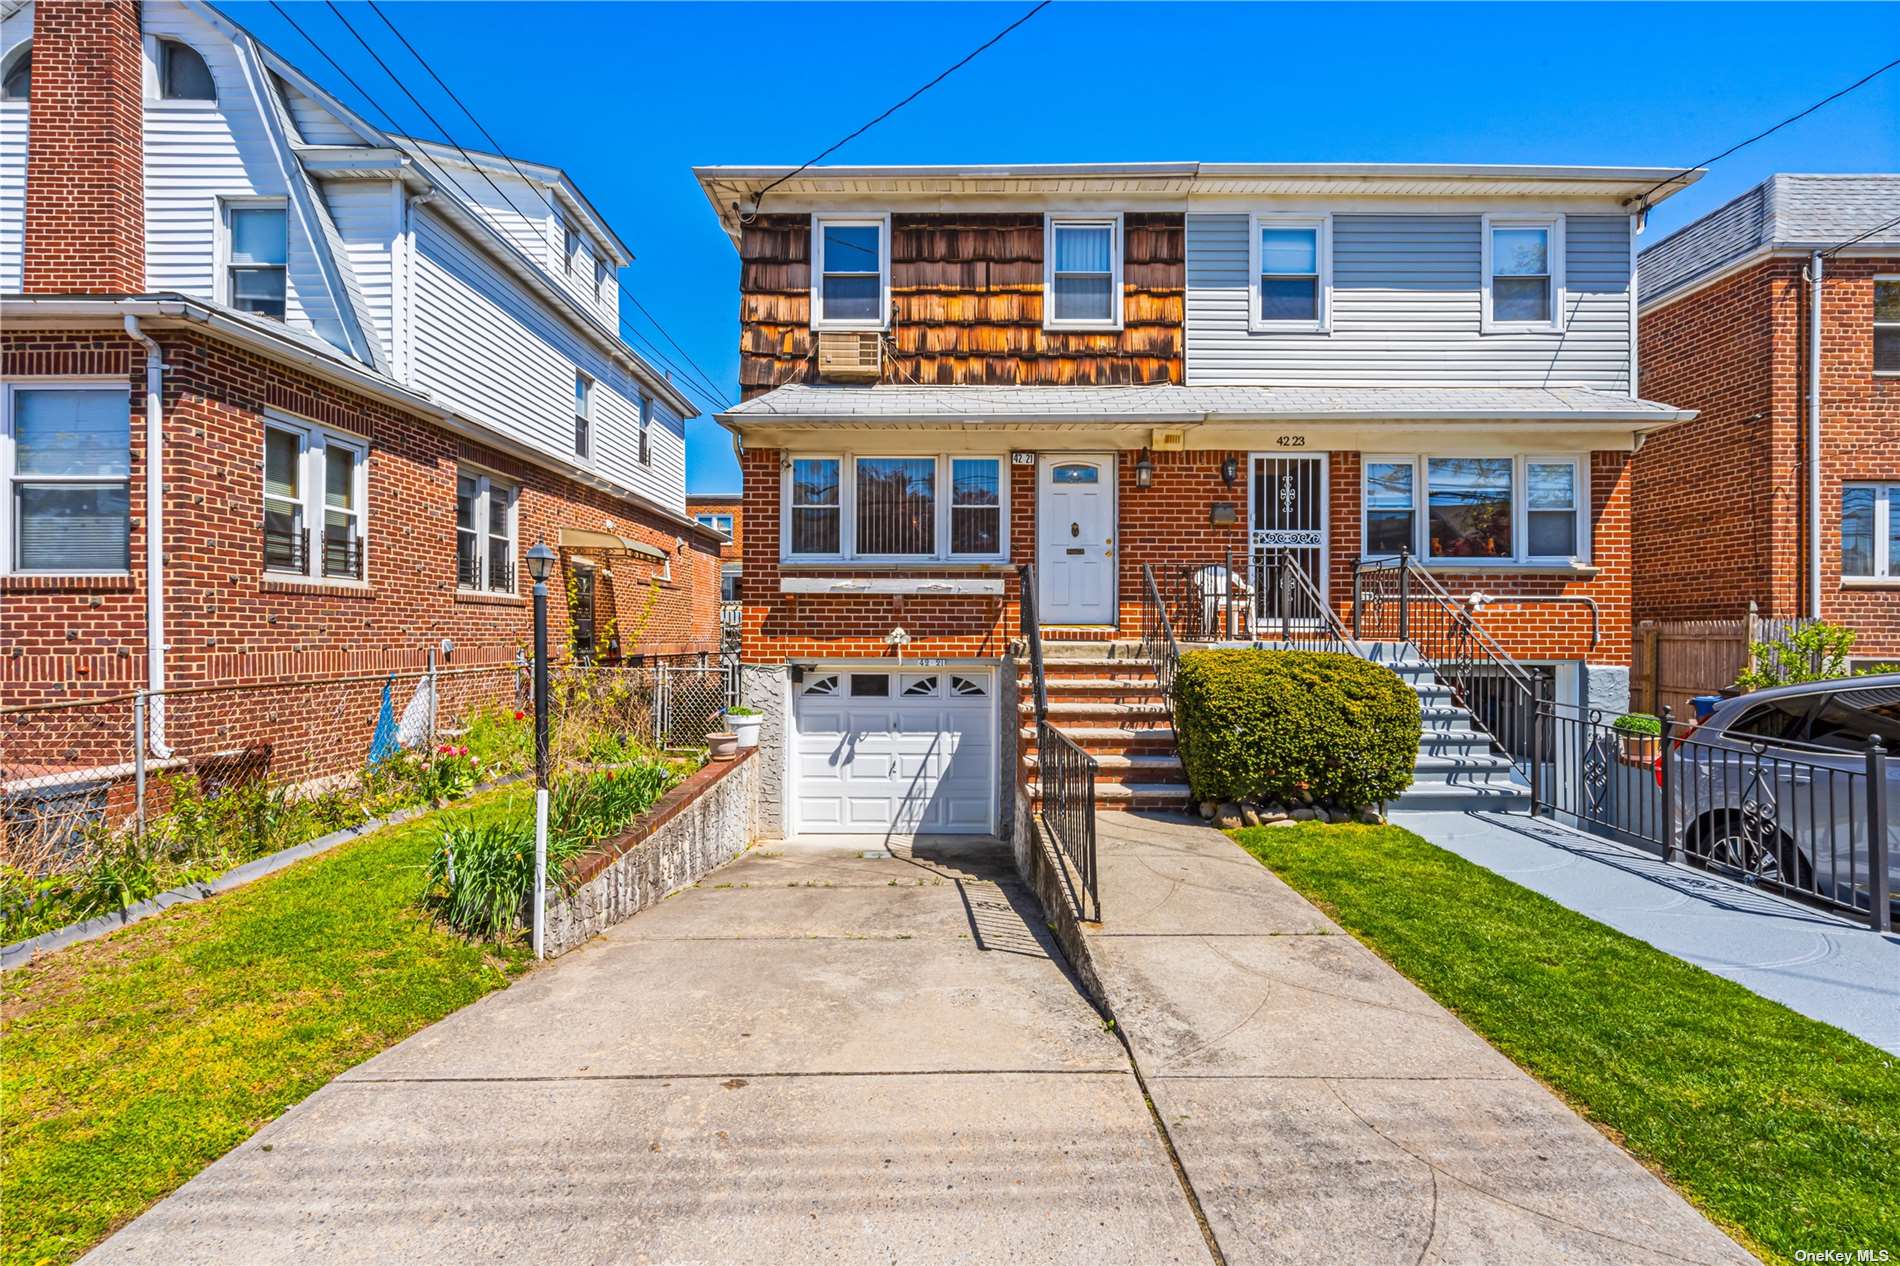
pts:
[1272, 724]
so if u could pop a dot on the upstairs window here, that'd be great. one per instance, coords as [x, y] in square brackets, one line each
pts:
[1082, 280]
[16, 77]
[256, 254]
[583, 414]
[484, 533]
[717, 522]
[1870, 531]
[182, 74]
[1887, 325]
[600, 278]
[570, 246]
[66, 453]
[646, 422]
[850, 273]
[1523, 274]
[1292, 270]
[315, 490]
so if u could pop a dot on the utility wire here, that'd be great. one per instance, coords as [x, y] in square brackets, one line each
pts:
[1643, 197]
[748, 217]
[1830, 251]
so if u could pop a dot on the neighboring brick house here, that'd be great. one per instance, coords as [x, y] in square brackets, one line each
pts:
[1723, 505]
[1229, 375]
[723, 513]
[378, 370]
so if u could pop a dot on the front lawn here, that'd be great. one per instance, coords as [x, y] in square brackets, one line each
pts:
[132, 1062]
[1783, 1130]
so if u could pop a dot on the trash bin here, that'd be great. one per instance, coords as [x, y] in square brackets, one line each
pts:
[1703, 705]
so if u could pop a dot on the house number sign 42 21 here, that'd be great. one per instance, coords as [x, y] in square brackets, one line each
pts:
[1291, 441]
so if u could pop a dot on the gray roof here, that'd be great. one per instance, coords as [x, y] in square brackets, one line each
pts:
[898, 405]
[1786, 212]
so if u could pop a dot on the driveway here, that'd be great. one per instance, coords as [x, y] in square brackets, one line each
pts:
[811, 1056]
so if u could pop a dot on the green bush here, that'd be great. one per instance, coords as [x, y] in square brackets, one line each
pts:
[1639, 723]
[1274, 724]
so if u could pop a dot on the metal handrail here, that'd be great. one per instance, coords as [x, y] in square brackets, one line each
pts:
[1158, 644]
[1065, 773]
[1292, 578]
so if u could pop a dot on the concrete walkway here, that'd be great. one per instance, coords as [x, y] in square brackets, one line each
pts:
[810, 1057]
[1325, 1109]
[1823, 966]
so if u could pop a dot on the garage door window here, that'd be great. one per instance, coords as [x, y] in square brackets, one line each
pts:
[968, 687]
[918, 687]
[870, 686]
[827, 685]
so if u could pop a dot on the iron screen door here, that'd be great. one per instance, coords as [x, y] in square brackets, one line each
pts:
[1288, 520]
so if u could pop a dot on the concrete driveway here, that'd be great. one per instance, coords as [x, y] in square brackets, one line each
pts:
[812, 1056]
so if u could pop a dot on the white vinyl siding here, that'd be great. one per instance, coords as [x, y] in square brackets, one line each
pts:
[368, 218]
[1405, 302]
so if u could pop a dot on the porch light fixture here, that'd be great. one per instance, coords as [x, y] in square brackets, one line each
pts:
[540, 561]
[1144, 471]
[1229, 469]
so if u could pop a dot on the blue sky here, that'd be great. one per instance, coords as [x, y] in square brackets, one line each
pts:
[629, 97]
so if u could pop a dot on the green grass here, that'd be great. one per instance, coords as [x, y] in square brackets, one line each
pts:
[132, 1062]
[1785, 1131]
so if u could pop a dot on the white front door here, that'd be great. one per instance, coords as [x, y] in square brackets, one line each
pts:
[1075, 538]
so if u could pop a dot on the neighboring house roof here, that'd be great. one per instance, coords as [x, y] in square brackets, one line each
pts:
[1786, 212]
[898, 405]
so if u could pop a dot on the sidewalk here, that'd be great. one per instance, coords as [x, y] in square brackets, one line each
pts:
[1825, 967]
[1324, 1108]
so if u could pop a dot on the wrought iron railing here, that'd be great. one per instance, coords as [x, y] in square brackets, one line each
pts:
[1158, 644]
[468, 571]
[1261, 595]
[1397, 600]
[343, 556]
[501, 574]
[1065, 773]
[286, 550]
[1808, 822]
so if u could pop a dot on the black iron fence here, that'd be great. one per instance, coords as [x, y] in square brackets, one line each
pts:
[1806, 821]
[1260, 595]
[1065, 773]
[1158, 644]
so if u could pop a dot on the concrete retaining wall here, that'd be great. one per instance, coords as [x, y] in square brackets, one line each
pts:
[1039, 863]
[704, 822]
[763, 686]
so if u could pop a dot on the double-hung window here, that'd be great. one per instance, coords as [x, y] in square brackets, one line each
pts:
[850, 272]
[1887, 325]
[1291, 258]
[1492, 510]
[66, 452]
[646, 423]
[717, 522]
[1870, 531]
[600, 279]
[256, 250]
[583, 415]
[909, 508]
[570, 246]
[1082, 280]
[1523, 274]
[316, 488]
[484, 533]
[1391, 508]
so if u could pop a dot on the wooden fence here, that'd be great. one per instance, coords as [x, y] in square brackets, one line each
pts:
[1676, 660]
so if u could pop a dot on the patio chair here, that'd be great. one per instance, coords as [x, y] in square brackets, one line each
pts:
[1213, 584]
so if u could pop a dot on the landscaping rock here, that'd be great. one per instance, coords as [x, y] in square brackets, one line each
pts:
[1303, 814]
[1250, 815]
[1371, 816]
[1207, 810]
[1283, 822]
[1228, 817]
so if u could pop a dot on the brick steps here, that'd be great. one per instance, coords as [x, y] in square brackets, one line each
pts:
[1104, 696]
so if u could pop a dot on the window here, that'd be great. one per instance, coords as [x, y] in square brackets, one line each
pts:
[646, 420]
[314, 476]
[850, 279]
[182, 73]
[1390, 513]
[729, 583]
[934, 507]
[1082, 281]
[16, 79]
[583, 413]
[1525, 509]
[1847, 720]
[1292, 271]
[968, 687]
[717, 522]
[870, 685]
[1870, 531]
[826, 685]
[918, 686]
[256, 248]
[1077, 474]
[1523, 274]
[1886, 323]
[570, 245]
[600, 279]
[484, 533]
[67, 456]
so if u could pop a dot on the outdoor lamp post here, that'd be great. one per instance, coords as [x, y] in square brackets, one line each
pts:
[540, 563]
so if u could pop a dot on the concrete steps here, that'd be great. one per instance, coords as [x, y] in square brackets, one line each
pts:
[1105, 697]
[1458, 767]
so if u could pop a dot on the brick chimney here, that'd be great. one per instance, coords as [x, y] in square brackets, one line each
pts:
[85, 170]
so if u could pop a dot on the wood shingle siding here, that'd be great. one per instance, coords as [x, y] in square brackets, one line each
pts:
[967, 294]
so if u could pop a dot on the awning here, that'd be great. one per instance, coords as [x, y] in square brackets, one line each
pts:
[587, 538]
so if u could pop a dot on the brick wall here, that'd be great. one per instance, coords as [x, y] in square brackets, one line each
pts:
[1720, 503]
[85, 181]
[228, 622]
[724, 503]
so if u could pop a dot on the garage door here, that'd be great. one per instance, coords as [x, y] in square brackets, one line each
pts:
[875, 750]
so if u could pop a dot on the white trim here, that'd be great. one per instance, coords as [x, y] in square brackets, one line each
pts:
[487, 485]
[1322, 223]
[882, 222]
[1635, 371]
[847, 507]
[83, 382]
[584, 384]
[880, 585]
[315, 440]
[1554, 225]
[221, 284]
[1520, 509]
[1117, 252]
[1886, 494]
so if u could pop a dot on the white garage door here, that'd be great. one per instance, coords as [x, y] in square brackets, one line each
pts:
[876, 750]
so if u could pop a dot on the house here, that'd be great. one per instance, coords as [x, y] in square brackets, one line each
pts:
[1776, 317]
[1242, 394]
[723, 513]
[287, 395]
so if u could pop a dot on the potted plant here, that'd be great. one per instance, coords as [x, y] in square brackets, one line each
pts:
[722, 746]
[744, 723]
[1640, 733]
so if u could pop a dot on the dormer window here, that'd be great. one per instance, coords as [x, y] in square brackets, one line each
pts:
[16, 81]
[850, 272]
[182, 74]
[1082, 275]
[570, 246]
[600, 279]
[1292, 258]
[1523, 274]
[256, 249]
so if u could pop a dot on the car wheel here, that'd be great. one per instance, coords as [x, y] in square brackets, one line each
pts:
[1752, 847]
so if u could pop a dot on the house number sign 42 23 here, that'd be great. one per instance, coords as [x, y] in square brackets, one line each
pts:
[1291, 441]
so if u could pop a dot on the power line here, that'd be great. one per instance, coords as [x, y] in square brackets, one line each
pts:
[1643, 197]
[748, 217]
[1830, 251]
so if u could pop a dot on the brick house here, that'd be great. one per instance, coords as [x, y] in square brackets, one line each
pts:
[1258, 386]
[288, 396]
[1725, 507]
[723, 512]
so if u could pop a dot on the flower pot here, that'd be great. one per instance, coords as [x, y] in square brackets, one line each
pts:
[746, 728]
[1639, 749]
[722, 746]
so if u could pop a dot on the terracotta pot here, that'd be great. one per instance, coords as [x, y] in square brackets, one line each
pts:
[1639, 749]
[723, 746]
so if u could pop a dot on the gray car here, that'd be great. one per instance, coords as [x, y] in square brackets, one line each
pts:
[1773, 787]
